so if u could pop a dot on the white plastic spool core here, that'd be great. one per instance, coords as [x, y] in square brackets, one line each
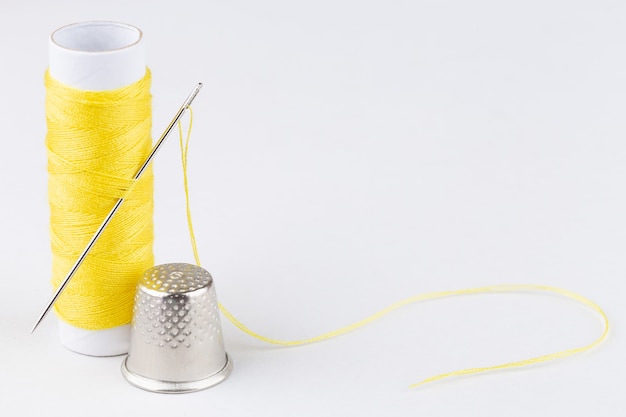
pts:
[96, 56]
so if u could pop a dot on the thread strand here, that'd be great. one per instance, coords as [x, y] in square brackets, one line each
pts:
[506, 288]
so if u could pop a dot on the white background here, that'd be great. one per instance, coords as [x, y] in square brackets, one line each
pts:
[348, 154]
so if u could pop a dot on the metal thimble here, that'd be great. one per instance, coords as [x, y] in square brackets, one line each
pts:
[176, 342]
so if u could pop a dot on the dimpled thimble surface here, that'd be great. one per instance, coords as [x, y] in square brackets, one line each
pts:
[176, 342]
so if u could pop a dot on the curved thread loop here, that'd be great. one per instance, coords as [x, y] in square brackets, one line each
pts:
[184, 147]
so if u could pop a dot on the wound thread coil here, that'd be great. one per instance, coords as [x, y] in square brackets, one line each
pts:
[95, 141]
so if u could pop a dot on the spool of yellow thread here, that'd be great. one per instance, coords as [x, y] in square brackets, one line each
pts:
[98, 109]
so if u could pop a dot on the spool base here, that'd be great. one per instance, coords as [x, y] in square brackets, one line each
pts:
[108, 342]
[172, 387]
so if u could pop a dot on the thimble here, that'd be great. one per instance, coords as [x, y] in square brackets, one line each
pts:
[176, 342]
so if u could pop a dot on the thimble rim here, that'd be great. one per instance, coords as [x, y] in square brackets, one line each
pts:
[177, 387]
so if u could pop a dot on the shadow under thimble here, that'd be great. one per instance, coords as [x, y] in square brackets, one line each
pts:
[176, 342]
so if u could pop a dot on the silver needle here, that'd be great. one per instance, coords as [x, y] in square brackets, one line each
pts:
[117, 205]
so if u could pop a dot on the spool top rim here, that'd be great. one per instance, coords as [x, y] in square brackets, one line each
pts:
[96, 37]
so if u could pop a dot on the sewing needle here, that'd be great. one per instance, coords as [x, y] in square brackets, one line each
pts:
[117, 205]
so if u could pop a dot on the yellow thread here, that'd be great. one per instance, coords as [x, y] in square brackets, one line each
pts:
[183, 152]
[96, 141]
[421, 297]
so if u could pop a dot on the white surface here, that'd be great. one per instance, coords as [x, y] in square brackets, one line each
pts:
[96, 56]
[346, 155]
